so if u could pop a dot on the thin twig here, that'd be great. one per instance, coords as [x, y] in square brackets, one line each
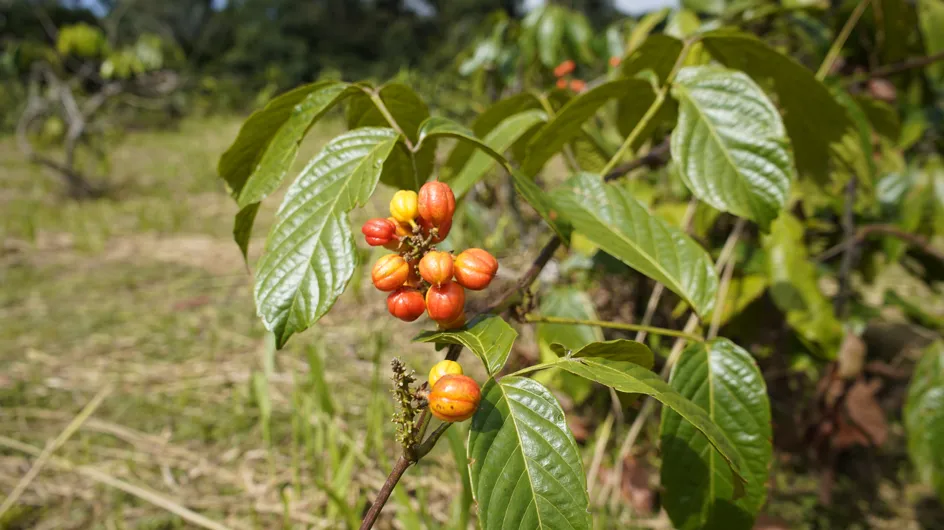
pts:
[613, 325]
[51, 447]
[865, 231]
[657, 156]
[849, 253]
[840, 41]
[895, 68]
[398, 470]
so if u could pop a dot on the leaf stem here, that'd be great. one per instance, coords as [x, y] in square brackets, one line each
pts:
[378, 102]
[398, 470]
[840, 41]
[614, 325]
[650, 112]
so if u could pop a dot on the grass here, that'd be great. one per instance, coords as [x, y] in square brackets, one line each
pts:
[146, 292]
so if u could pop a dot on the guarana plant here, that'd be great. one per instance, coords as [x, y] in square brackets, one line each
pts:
[756, 143]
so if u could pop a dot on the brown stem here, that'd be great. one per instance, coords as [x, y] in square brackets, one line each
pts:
[890, 69]
[889, 230]
[657, 156]
[398, 470]
[849, 253]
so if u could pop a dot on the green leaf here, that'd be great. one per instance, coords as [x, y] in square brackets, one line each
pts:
[741, 293]
[404, 170]
[275, 162]
[863, 167]
[611, 218]
[682, 24]
[550, 34]
[310, 253]
[621, 350]
[794, 288]
[711, 7]
[566, 125]
[658, 55]
[579, 34]
[524, 463]
[641, 31]
[500, 139]
[634, 379]
[484, 123]
[924, 417]
[267, 144]
[542, 204]
[931, 17]
[569, 302]
[489, 337]
[730, 145]
[815, 121]
[882, 117]
[725, 382]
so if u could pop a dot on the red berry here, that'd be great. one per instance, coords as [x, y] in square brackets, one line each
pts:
[455, 323]
[564, 68]
[445, 302]
[474, 268]
[562, 83]
[406, 303]
[379, 231]
[436, 267]
[390, 271]
[578, 85]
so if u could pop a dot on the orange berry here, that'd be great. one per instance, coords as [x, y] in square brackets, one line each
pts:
[455, 323]
[562, 83]
[578, 85]
[615, 61]
[436, 203]
[445, 302]
[454, 398]
[436, 267]
[379, 232]
[406, 303]
[474, 268]
[442, 230]
[390, 271]
[564, 68]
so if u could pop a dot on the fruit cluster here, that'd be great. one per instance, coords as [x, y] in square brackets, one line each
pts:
[420, 278]
[562, 72]
[453, 396]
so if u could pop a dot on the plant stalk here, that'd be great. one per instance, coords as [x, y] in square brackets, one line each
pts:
[384, 494]
[840, 41]
[613, 325]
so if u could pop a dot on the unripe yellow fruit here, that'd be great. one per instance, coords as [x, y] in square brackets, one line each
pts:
[403, 206]
[443, 368]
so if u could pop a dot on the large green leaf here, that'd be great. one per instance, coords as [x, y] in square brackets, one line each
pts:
[567, 124]
[612, 219]
[711, 7]
[267, 144]
[523, 460]
[500, 139]
[815, 121]
[568, 302]
[622, 350]
[310, 253]
[729, 145]
[642, 29]
[484, 123]
[535, 196]
[863, 167]
[579, 35]
[725, 382]
[794, 287]
[658, 54]
[404, 170]
[632, 378]
[924, 418]
[489, 337]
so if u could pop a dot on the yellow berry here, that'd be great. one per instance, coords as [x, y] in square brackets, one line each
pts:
[443, 368]
[403, 206]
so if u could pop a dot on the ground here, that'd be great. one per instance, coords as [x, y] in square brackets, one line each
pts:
[144, 299]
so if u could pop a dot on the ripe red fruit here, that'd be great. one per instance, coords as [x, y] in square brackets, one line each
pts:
[564, 68]
[562, 83]
[474, 268]
[442, 230]
[445, 302]
[390, 271]
[406, 303]
[379, 231]
[436, 267]
[454, 398]
[578, 85]
[436, 203]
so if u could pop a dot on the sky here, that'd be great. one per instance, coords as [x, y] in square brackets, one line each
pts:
[631, 7]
